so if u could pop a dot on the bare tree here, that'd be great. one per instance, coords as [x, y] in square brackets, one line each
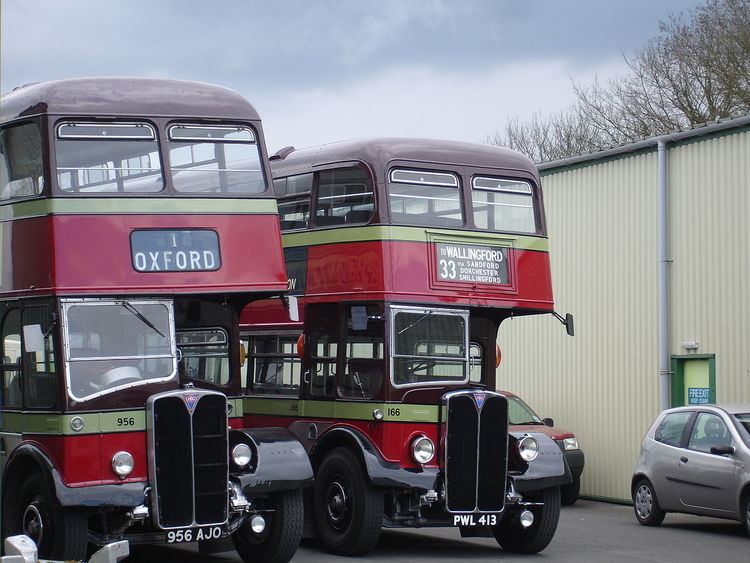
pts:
[696, 70]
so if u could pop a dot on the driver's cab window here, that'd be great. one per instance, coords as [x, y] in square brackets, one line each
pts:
[324, 347]
[40, 375]
[364, 366]
[475, 362]
[204, 355]
[709, 431]
[11, 342]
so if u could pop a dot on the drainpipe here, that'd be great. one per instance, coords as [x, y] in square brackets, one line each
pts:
[663, 296]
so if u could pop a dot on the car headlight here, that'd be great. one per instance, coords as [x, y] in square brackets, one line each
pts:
[570, 443]
[528, 447]
[122, 464]
[422, 449]
[242, 455]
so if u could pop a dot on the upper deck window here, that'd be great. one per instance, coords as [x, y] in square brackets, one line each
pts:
[503, 205]
[345, 196]
[108, 157]
[425, 197]
[21, 171]
[222, 159]
[294, 200]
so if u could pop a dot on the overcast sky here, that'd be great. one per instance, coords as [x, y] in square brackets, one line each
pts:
[321, 71]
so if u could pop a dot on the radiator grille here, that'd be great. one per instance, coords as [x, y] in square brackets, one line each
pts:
[189, 458]
[476, 451]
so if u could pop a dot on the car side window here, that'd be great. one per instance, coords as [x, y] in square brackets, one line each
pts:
[709, 431]
[670, 429]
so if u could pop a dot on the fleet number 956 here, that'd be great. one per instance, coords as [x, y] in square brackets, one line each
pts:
[194, 534]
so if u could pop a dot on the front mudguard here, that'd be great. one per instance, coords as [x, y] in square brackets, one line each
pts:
[280, 462]
[548, 469]
[380, 472]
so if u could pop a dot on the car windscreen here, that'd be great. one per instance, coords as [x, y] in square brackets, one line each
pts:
[520, 413]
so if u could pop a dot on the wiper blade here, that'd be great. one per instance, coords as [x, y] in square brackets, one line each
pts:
[140, 317]
[419, 320]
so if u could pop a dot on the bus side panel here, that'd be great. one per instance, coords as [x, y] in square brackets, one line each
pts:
[87, 459]
[87, 261]
[392, 439]
[356, 269]
[25, 246]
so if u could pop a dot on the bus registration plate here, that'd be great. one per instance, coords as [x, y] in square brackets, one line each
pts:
[184, 535]
[475, 520]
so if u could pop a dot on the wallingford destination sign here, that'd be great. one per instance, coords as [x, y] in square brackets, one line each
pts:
[472, 263]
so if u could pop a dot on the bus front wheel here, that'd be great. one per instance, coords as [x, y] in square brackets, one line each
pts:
[57, 532]
[348, 511]
[278, 542]
[515, 538]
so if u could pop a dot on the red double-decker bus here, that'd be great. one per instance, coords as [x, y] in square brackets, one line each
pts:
[406, 255]
[125, 210]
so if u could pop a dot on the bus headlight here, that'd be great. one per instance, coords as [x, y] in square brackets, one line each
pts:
[122, 464]
[242, 455]
[422, 449]
[528, 447]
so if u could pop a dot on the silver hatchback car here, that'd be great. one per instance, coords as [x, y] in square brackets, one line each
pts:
[695, 460]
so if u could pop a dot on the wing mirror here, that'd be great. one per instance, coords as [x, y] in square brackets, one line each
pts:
[722, 450]
[548, 422]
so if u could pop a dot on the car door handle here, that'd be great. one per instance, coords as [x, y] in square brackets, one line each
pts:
[683, 459]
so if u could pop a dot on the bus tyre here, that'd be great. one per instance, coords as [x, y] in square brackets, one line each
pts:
[569, 493]
[57, 532]
[279, 541]
[513, 537]
[348, 512]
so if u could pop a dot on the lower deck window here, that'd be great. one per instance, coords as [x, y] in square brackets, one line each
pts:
[204, 355]
[274, 365]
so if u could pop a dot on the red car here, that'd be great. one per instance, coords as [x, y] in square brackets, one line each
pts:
[524, 419]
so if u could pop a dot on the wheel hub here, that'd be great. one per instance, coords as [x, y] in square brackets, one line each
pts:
[337, 502]
[33, 525]
[643, 501]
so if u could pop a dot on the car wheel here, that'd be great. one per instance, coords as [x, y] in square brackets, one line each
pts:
[58, 533]
[645, 505]
[348, 512]
[513, 537]
[279, 541]
[569, 493]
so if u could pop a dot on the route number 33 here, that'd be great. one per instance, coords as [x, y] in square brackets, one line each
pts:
[447, 269]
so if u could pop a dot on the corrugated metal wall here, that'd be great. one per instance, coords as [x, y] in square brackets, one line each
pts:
[603, 383]
[710, 241]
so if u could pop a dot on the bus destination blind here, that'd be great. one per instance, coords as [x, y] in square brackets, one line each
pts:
[468, 263]
[175, 250]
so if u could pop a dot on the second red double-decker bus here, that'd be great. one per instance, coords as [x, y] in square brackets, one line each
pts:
[406, 255]
[125, 209]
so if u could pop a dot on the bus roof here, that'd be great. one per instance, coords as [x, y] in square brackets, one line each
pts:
[381, 150]
[126, 97]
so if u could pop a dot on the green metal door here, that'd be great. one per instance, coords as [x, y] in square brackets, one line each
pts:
[693, 380]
